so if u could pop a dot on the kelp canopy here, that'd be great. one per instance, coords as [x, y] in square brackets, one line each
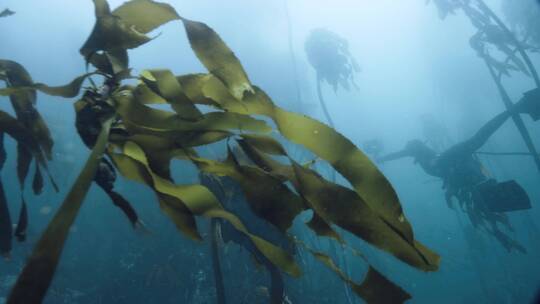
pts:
[139, 141]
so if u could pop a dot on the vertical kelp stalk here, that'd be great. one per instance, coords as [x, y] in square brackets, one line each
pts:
[216, 264]
[37, 275]
[516, 42]
[518, 121]
[293, 56]
[323, 103]
[504, 95]
[6, 230]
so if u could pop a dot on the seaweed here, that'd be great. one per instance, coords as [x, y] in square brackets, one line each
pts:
[128, 136]
[6, 13]
[328, 54]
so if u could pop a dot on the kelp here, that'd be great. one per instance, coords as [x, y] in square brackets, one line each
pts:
[6, 13]
[33, 139]
[329, 55]
[142, 140]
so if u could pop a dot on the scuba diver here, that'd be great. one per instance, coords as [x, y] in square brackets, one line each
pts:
[481, 197]
[91, 111]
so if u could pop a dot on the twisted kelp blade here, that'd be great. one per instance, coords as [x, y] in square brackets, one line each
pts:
[111, 33]
[22, 135]
[375, 289]
[69, 90]
[163, 83]
[143, 117]
[37, 275]
[344, 208]
[181, 216]
[146, 15]
[335, 204]
[23, 102]
[216, 56]
[201, 202]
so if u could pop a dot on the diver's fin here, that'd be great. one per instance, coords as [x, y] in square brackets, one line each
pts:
[531, 103]
[504, 197]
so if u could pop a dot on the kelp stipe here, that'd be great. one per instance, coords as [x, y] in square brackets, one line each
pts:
[140, 142]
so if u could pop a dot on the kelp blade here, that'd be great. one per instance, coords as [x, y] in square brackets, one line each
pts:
[37, 275]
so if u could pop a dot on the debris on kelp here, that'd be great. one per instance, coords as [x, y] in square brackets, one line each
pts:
[139, 141]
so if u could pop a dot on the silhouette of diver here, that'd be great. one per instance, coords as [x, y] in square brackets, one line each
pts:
[482, 198]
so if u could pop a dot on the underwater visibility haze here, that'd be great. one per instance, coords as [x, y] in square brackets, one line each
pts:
[286, 151]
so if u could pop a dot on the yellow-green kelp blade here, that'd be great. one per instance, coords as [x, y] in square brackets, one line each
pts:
[37, 275]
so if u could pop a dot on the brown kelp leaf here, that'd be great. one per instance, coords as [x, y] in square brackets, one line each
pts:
[217, 57]
[265, 144]
[171, 206]
[37, 182]
[145, 15]
[377, 289]
[201, 202]
[163, 83]
[69, 90]
[23, 102]
[143, 94]
[38, 272]
[22, 223]
[22, 135]
[344, 208]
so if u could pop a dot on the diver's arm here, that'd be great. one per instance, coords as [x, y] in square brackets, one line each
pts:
[527, 105]
[393, 156]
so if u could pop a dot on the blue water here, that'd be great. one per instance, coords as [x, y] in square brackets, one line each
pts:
[413, 65]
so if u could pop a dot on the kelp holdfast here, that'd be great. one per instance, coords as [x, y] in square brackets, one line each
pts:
[504, 196]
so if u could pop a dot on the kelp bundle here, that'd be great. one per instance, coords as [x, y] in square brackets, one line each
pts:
[34, 142]
[140, 141]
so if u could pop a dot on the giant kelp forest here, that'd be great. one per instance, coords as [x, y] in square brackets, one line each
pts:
[268, 205]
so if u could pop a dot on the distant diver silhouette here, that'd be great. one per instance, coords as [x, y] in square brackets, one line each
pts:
[483, 198]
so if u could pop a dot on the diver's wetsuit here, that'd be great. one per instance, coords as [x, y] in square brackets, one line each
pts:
[90, 116]
[462, 173]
